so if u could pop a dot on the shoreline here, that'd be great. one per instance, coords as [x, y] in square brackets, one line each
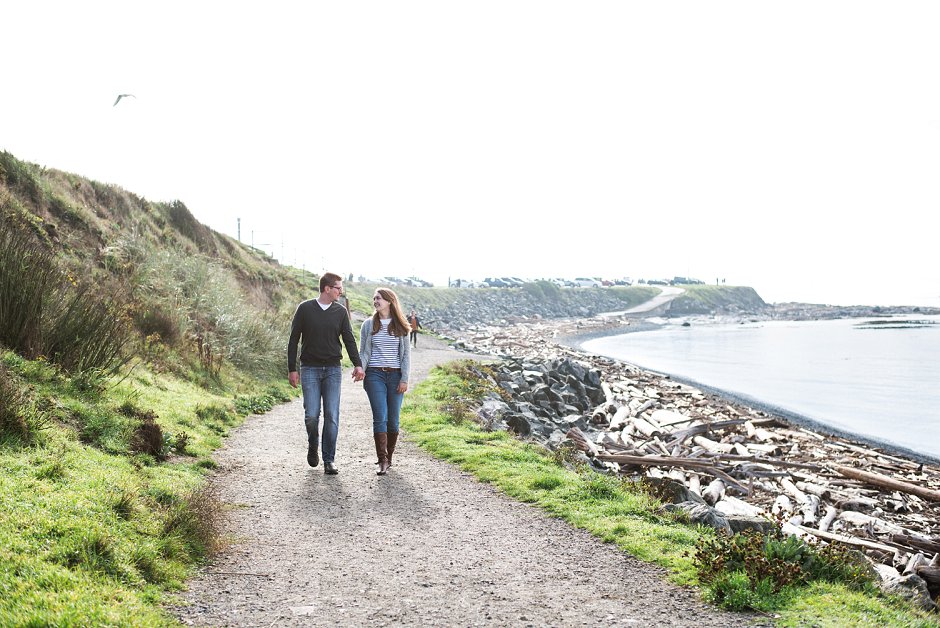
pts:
[575, 341]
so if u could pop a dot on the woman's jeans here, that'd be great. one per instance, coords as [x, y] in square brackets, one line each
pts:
[382, 389]
[324, 382]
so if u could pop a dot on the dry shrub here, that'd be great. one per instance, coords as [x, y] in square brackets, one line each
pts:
[197, 519]
[11, 402]
[148, 436]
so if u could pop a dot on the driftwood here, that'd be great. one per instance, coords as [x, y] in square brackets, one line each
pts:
[912, 540]
[876, 479]
[651, 425]
[848, 540]
[667, 461]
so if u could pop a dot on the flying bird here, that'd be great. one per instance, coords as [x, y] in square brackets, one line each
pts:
[120, 96]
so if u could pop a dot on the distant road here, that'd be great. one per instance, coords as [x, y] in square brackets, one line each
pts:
[668, 294]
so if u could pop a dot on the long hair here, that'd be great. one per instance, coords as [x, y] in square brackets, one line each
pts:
[399, 325]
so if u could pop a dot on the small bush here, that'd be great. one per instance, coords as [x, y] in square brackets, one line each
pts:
[257, 404]
[216, 412]
[148, 437]
[11, 401]
[197, 520]
[769, 564]
[155, 321]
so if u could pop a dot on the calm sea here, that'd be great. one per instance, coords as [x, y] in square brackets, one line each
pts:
[881, 384]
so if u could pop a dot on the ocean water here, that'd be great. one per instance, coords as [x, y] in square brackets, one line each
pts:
[878, 382]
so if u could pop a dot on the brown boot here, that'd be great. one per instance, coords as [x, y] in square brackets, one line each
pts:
[392, 440]
[381, 451]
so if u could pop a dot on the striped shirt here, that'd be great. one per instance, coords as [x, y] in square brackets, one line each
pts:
[385, 348]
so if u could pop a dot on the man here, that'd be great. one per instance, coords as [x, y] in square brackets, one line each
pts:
[413, 321]
[321, 322]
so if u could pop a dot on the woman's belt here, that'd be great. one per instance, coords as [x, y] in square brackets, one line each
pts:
[384, 369]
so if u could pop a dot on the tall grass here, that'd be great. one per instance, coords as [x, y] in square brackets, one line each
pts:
[27, 273]
[196, 299]
[44, 311]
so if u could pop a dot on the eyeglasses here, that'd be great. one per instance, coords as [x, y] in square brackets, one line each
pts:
[340, 288]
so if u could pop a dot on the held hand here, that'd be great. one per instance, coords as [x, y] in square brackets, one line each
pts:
[358, 374]
[293, 377]
[402, 387]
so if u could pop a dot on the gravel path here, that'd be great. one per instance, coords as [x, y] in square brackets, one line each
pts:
[426, 545]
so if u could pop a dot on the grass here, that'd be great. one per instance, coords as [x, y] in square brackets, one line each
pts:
[94, 531]
[624, 513]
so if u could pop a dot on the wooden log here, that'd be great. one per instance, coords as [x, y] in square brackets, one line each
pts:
[581, 442]
[782, 504]
[883, 481]
[695, 483]
[668, 418]
[848, 540]
[858, 504]
[643, 407]
[915, 561]
[930, 575]
[861, 519]
[786, 464]
[926, 544]
[601, 414]
[810, 510]
[740, 449]
[714, 492]
[620, 418]
[750, 429]
[705, 466]
[646, 428]
[815, 489]
[733, 506]
[828, 518]
[759, 448]
[712, 446]
[677, 475]
[791, 488]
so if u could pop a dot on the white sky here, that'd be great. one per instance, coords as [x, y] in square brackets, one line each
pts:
[790, 146]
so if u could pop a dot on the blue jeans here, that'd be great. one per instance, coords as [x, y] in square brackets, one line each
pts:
[382, 389]
[324, 382]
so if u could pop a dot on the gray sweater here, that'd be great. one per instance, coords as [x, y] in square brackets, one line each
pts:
[365, 349]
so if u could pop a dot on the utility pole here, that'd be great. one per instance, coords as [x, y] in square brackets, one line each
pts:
[239, 220]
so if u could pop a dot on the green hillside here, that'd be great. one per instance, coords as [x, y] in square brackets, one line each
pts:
[132, 339]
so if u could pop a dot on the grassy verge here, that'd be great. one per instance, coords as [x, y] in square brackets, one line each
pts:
[102, 514]
[437, 416]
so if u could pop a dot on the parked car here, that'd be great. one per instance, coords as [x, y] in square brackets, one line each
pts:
[657, 282]
[562, 283]
[495, 282]
[587, 282]
[678, 281]
[623, 281]
[419, 283]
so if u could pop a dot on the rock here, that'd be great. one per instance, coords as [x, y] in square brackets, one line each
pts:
[702, 514]
[911, 587]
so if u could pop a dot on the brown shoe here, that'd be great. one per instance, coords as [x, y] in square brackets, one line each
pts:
[392, 441]
[381, 451]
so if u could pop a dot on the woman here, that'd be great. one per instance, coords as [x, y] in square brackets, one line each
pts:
[386, 357]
